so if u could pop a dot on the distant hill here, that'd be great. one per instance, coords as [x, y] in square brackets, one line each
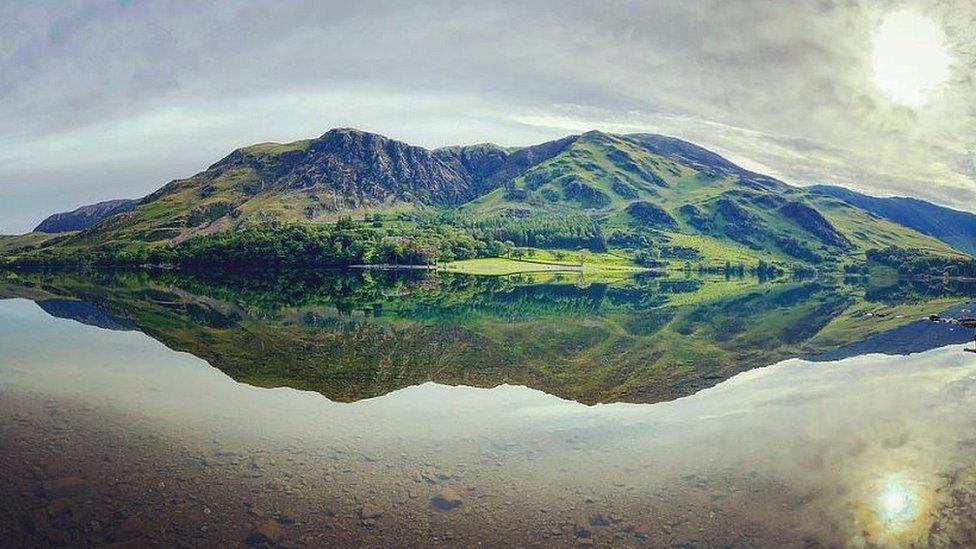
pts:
[83, 217]
[632, 193]
[954, 227]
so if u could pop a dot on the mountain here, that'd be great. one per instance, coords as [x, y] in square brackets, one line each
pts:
[83, 217]
[316, 180]
[347, 168]
[954, 227]
[691, 198]
[628, 193]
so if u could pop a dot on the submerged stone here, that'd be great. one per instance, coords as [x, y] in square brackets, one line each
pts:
[267, 532]
[446, 500]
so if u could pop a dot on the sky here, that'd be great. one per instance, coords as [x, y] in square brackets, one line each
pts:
[102, 100]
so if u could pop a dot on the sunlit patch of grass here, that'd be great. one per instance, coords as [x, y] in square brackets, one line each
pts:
[716, 251]
[271, 148]
[537, 259]
[503, 266]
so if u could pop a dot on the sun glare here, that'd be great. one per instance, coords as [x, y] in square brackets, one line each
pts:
[896, 509]
[910, 58]
[897, 504]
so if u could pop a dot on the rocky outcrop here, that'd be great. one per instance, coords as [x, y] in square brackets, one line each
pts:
[813, 222]
[363, 168]
[368, 169]
[85, 313]
[650, 215]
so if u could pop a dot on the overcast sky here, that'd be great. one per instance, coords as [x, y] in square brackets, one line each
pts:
[103, 100]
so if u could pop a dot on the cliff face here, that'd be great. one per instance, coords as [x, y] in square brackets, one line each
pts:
[367, 169]
[361, 167]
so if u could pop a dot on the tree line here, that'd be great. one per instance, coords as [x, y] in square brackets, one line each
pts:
[918, 263]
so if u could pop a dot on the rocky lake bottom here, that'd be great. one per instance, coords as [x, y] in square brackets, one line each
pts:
[81, 479]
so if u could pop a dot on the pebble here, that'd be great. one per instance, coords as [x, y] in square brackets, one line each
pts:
[582, 530]
[41, 521]
[370, 510]
[599, 519]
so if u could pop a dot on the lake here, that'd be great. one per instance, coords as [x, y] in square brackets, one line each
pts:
[374, 408]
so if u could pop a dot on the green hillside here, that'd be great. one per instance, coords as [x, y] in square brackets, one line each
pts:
[637, 194]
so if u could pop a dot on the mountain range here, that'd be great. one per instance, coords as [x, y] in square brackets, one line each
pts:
[625, 192]
[954, 227]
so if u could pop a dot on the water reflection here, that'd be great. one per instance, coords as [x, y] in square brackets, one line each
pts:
[359, 334]
[869, 449]
[837, 453]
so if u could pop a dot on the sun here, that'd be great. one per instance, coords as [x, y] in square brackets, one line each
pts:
[910, 59]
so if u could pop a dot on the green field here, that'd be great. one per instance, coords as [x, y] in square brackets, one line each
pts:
[504, 266]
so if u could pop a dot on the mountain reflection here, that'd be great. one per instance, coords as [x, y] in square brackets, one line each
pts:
[351, 335]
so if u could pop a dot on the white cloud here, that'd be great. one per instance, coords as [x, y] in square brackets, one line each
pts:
[99, 100]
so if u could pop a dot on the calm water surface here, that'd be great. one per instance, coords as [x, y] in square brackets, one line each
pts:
[416, 410]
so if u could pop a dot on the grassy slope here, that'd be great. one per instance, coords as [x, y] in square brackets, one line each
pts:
[599, 160]
[9, 243]
[717, 251]
[595, 160]
[867, 231]
[958, 228]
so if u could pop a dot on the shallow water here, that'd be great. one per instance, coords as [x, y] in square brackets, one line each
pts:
[158, 446]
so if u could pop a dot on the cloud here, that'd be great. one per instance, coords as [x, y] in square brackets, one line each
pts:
[113, 99]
